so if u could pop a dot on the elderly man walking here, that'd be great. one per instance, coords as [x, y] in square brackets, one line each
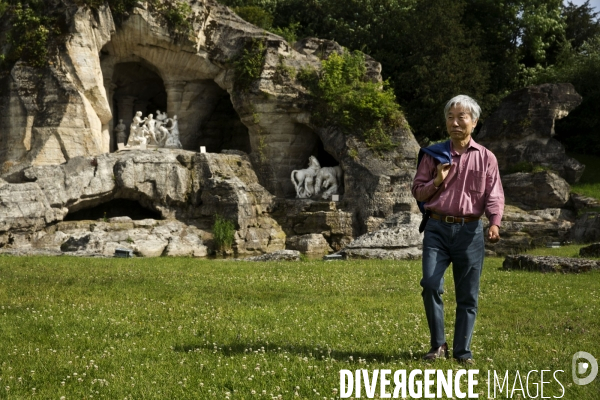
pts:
[456, 182]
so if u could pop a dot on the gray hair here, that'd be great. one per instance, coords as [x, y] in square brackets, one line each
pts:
[466, 102]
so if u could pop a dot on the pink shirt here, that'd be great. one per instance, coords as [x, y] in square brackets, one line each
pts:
[471, 188]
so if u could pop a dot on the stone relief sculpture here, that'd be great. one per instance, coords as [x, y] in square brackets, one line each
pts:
[120, 132]
[159, 132]
[171, 140]
[303, 179]
[310, 181]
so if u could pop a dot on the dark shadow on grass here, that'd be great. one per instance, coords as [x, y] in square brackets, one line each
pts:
[232, 349]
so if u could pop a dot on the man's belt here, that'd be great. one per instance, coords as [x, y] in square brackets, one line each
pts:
[454, 220]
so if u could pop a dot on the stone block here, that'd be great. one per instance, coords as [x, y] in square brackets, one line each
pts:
[312, 243]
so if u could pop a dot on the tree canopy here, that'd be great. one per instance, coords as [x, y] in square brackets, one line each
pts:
[433, 50]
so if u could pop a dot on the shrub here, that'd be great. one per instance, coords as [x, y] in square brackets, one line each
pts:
[249, 64]
[348, 99]
[29, 34]
[176, 14]
[255, 15]
[289, 33]
[223, 233]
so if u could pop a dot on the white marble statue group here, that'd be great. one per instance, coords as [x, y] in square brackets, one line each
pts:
[159, 132]
[309, 182]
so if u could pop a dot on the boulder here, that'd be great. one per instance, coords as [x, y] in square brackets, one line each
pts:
[593, 250]
[549, 264]
[581, 202]
[523, 230]
[551, 191]
[586, 228]
[397, 238]
[521, 130]
[150, 247]
[280, 255]
[300, 217]
[312, 243]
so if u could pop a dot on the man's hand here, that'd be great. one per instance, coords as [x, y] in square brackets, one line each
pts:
[442, 173]
[493, 234]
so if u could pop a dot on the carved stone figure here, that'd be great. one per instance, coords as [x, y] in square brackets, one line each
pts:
[162, 135]
[303, 179]
[135, 132]
[161, 119]
[149, 128]
[328, 178]
[120, 132]
[172, 139]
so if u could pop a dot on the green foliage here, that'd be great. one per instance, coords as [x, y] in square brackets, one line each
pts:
[249, 64]
[283, 71]
[289, 33]
[348, 99]
[176, 14]
[264, 19]
[223, 233]
[35, 25]
[197, 329]
[581, 22]
[29, 35]
[255, 15]
[3, 7]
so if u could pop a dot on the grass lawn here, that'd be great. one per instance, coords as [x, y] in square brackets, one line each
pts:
[187, 329]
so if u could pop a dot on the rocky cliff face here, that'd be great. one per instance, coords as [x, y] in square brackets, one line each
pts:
[521, 130]
[106, 72]
[52, 114]
[177, 185]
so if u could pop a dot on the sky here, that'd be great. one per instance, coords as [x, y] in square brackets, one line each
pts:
[593, 3]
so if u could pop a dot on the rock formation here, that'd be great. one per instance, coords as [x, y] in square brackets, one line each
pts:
[524, 230]
[311, 244]
[551, 191]
[521, 130]
[586, 228]
[66, 113]
[178, 185]
[279, 255]
[398, 238]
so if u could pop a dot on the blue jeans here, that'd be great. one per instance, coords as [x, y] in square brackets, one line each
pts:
[463, 246]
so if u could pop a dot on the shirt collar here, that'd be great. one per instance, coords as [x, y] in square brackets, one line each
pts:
[472, 145]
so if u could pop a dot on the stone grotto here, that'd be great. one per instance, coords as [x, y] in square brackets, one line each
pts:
[100, 150]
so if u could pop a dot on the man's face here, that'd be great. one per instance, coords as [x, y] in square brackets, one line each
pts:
[459, 123]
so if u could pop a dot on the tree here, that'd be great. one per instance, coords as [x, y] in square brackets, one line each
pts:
[581, 23]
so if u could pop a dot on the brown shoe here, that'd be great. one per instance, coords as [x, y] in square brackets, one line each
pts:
[435, 353]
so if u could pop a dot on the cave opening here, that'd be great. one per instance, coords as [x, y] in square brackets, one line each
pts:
[222, 128]
[114, 208]
[324, 158]
[136, 88]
